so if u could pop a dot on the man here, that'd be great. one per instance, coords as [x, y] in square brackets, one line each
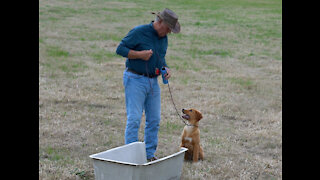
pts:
[145, 48]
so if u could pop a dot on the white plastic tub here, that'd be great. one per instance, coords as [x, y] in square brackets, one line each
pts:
[130, 162]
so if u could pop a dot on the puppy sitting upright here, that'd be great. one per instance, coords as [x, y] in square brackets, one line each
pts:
[191, 135]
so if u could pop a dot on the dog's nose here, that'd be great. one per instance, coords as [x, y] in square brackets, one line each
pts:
[182, 110]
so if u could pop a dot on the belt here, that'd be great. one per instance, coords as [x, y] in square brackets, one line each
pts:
[135, 72]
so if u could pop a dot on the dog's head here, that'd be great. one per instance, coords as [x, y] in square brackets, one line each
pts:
[192, 115]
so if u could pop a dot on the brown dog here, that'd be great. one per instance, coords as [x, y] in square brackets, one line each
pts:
[191, 135]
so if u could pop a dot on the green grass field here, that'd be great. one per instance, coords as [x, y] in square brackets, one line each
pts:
[226, 62]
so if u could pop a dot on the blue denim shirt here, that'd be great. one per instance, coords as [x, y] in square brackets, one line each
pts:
[144, 37]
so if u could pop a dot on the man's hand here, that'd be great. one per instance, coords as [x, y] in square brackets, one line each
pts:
[168, 75]
[144, 54]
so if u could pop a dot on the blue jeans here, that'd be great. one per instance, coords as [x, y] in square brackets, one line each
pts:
[141, 96]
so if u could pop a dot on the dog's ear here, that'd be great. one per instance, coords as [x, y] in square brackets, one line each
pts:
[198, 115]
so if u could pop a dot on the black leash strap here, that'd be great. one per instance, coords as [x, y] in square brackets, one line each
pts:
[176, 108]
[162, 62]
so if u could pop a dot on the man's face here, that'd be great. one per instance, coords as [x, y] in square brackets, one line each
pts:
[163, 29]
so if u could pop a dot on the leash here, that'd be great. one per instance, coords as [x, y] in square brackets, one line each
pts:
[171, 98]
[176, 108]
[168, 88]
[149, 78]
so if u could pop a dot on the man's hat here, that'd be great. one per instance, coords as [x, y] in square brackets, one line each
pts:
[170, 18]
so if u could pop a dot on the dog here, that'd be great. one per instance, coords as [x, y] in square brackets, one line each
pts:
[190, 137]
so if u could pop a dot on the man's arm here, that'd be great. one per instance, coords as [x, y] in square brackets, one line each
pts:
[127, 45]
[145, 54]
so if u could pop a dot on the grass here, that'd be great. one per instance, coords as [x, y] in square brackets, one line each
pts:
[57, 52]
[244, 83]
[226, 62]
